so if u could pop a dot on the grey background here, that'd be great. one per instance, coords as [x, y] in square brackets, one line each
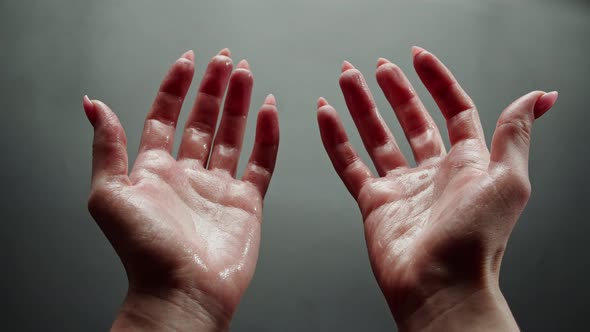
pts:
[59, 273]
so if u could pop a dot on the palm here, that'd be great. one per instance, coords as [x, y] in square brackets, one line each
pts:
[411, 215]
[449, 218]
[203, 224]
[187, 223]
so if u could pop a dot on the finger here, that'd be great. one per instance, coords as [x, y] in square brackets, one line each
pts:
[511, 141]
[456, 106]
[109, 149]
[266, 144]
[418, 126]
[228, 140]
[160, 124]
[200, 125]
[353, 172]
[376, 137]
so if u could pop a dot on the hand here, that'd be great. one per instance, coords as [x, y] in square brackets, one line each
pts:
[436, 232]
[186, 230]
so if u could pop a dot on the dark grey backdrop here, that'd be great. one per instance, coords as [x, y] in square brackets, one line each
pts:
[59, 272]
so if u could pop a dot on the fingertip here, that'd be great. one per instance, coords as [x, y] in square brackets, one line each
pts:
[350, 78]
[86, 102]
[346, 66]
[545, 103]
[270, 100]
[382, 61]
[188, 55]
[327, 116]
[417, 50]
[222, 60]
[89, 109]
[324, 119]
[322, 102]
[241, 77]
[267, 127]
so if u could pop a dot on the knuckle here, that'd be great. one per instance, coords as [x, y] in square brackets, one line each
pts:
[111, 145]
[522, 191]
[168, 98]
[111, 134]
[517, 130]
[97, 199]
[516, 188]
[516, 127]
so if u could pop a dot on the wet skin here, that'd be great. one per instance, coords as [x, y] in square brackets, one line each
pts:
[436, 232]
[186, 230]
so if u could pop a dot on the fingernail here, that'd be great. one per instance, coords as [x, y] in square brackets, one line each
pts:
[189, 55]
[244, 64]
[346, 66]
[322, 102]
[270, 99]
[89, 109]
[225, 52]
[382, 61]
[417, 50]
[545, 102]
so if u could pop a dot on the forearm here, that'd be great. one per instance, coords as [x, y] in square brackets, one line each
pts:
[169, 310]
[461, 309]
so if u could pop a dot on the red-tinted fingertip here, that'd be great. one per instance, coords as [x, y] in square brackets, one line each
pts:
[244, 64]
[270, 100]
[225, 52]
[417, 50]
[545, 102]
[322, 102]
[89, 109]
[189, 55]
[346, 66]
[382, 61]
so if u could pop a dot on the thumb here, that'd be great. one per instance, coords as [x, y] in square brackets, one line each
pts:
[109, 149]
[511, 141]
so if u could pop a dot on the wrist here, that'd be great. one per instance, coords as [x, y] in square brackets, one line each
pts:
[170, 310]
[460, 308]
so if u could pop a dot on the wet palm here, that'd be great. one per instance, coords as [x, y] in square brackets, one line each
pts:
[445, 222]
[180, 224]
[187, 224]
[428, 225]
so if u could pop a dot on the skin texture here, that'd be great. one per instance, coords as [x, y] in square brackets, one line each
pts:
[186, 230]
[435, 233]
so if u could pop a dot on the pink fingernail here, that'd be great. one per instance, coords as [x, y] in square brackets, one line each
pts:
[244, 64]
[322, 102]
[382, 61]
[89, 109]
[225, 52]
[189, 55]
[346, 66]
[417, 50]
[544, 103]
[270, 99]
